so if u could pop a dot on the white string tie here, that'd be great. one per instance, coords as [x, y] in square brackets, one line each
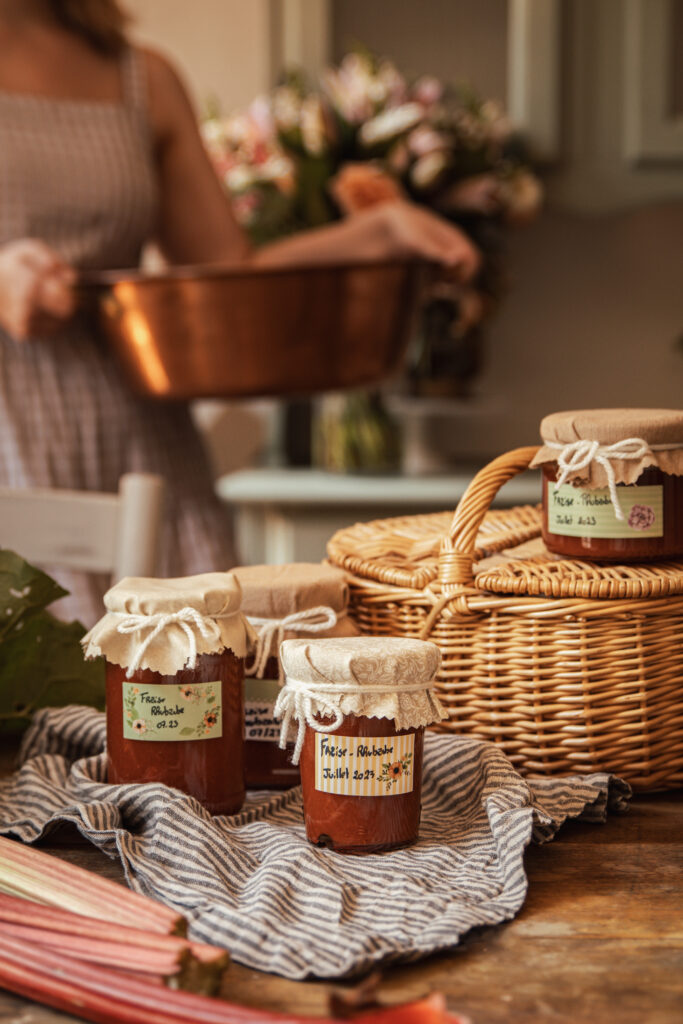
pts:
[579, 455]
[185, 618]
[311, 620]
[307, 703]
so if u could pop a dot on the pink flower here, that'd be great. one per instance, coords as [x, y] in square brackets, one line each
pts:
[428, 90]
[139, 725]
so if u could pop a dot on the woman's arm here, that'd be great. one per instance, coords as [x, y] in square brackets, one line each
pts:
[197, 224]
[391, 230]
[196, 220]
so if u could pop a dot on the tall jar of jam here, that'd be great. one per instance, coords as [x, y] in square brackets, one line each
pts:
[361, 705]
[613, 484]
[175, 651]
[283, 602]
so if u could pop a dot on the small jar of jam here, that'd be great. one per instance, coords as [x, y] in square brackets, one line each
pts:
[282, 602]
[362, 704]
[613, 484]
[175, 651]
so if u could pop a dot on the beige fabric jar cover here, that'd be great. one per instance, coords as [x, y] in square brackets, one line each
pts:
[282, 602]
[163, 624]
[376, 677]
[604, 447]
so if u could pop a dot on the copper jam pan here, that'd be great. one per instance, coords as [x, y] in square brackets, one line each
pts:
[246, 331]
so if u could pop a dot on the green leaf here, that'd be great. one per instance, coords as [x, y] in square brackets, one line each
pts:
[42, 665]
[41, 660]
[186, 731]
[24, 591]
[211, 700]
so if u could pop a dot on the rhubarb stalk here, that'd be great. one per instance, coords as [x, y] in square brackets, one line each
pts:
[97, 995]
[45, 879]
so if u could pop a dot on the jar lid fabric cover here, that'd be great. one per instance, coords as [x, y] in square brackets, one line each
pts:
[656, 427]
[378, 677]
[207, 606]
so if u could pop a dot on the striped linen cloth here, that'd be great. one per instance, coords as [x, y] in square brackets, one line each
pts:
[253, 884]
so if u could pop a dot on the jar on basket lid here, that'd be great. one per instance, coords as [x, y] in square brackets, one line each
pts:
[613, 484]
[175, 651]
[283, 602]
[359, 707]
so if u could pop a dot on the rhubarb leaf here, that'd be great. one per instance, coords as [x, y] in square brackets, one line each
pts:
[24, 590]
[41, 661]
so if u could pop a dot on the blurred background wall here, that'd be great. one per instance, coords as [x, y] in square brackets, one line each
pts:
[594, 307]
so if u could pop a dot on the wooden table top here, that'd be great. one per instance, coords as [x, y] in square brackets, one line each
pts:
[599, 938]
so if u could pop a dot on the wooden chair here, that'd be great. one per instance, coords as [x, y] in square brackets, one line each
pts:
[86, 530]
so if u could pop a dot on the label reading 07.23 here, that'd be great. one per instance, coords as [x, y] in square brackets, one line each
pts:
[172, 712]
[580, 512]
[364, 765]
[260, 724]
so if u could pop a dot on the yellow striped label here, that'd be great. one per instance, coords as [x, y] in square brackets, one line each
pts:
[364, 765]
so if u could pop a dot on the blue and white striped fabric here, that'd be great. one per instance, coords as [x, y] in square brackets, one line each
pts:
[253, 884]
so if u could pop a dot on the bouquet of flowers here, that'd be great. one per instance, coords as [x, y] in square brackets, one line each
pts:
[309, 154]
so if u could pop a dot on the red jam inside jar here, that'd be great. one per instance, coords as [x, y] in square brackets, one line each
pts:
[350, 822]
[200, 701]
[267, 766]
[659, 511]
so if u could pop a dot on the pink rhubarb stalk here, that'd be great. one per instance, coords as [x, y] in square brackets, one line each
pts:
[45, 879]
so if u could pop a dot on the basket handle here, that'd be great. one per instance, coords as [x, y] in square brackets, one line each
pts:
[456, 555]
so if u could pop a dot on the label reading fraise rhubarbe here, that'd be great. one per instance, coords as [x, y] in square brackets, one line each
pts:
[259, 702]
[580, 512]
[172, 712]
[364, 765]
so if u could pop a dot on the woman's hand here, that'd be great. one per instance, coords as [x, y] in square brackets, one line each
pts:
[36, 293]
[412, 230]
[395, 229]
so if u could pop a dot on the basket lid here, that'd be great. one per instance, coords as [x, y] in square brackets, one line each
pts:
[529, 570]
[404, 551]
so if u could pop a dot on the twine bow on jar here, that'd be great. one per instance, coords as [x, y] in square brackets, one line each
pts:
[270, 633]
[578, 455]
[310, 704]
[156, 624]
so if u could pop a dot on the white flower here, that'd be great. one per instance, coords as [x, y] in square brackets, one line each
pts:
[239, 177]
[391, 123]
[426, 171]
[312, 125]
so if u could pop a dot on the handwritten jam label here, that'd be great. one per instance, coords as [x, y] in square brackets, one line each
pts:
[172, 712]
[580, 512]
[259, 700]
[364, 765]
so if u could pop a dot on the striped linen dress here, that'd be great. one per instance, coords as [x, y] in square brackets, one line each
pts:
[80, 175]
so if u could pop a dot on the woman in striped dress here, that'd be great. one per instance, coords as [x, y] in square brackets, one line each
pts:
[99, 154]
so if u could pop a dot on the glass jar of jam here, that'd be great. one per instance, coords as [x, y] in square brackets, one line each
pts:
[175, 653]
[361, 704]
[613, 484]
[282, 602]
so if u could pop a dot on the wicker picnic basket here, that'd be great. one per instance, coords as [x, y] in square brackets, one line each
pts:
[569, 666]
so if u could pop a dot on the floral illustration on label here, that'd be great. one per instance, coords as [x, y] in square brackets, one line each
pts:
[171, 712]
[391, 772]
[211, 715]
[641, 517]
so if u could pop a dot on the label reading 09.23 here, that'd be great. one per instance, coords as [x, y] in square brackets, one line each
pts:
[364, 765]
[172, 712]
[580, 512]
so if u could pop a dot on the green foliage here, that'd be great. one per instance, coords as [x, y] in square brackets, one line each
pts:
[41, 661]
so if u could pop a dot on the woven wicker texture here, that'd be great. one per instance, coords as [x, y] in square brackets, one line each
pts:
[405, 551]
[563, 683]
